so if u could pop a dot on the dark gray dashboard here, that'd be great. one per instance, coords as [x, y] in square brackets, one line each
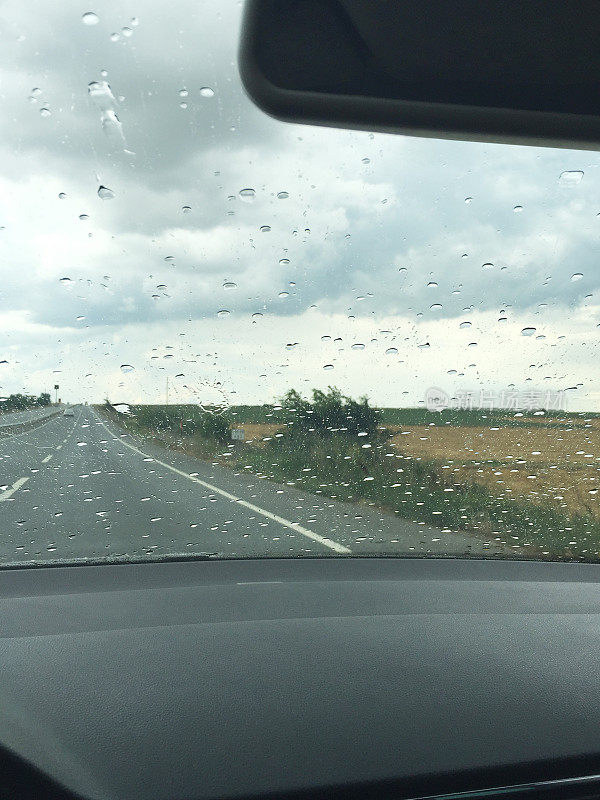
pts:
[241, 678]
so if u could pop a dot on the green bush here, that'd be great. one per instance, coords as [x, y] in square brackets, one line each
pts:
[329, 412]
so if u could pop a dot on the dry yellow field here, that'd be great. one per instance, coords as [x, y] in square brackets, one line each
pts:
[558, 466]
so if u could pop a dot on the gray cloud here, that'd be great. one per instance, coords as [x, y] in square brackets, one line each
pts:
[372, 228]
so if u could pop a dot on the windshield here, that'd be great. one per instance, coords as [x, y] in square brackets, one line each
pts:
[228, 336]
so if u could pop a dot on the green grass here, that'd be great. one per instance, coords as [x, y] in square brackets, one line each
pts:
[339, 468]
[467, 418]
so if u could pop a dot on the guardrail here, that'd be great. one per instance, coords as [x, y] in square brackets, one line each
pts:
[7, 428]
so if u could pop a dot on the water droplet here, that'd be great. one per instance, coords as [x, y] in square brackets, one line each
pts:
[81, 444]
[79, 319]
[114, 37]
[432, 285]
[282, 195]
[487, 265]
[62, 196]
[89, 18]
[247, 195]
[518, 209]
[570, 177]
[436, 307]
[126, 368]
[424, 345]
[283, 262]
[104, 193]
[183, 93]
[576, 276]
[223, 313]
[391, 351]
[206, 91]
[182, 105]
[328, 366]
[45, 111]
[230, 285]
[265, 228]
[65, 281]
[36, 91]
[126, 31]
[468, 200]
[257, 315]
[465, 325]
[527, 331]
[83, 217]
[358, 346]
[325, 338]
[186, 209]
[283, 294]
[366, 161]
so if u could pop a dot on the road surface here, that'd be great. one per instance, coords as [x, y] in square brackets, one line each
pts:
[28, 415]
[78, 487]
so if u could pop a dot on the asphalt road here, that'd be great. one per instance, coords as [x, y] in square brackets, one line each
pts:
[78, 488]
[28, 415]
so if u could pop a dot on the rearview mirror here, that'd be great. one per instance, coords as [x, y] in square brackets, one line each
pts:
[490, 70]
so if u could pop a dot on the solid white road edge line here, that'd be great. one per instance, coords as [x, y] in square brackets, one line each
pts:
[9, 492]
[338, 548]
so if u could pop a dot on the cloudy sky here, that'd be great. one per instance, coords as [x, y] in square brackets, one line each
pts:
[132, 251]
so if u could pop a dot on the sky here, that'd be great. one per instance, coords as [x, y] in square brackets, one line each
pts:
[158, 229]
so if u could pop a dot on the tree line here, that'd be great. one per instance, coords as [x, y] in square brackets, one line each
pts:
[19, 402]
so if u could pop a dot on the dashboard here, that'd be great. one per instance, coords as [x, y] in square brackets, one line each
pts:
[333, 677]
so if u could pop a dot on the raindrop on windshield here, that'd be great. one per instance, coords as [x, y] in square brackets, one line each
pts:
[62, 196]
[65, 281]
[527, 331]
[265, 228]
[358, 346]
[223, 313]
[45, 111]
[468, 200]
[230, 285]
[518, 209]
[183, 93]
[206, 91]
[570, 177]
[247, 195]
[284, 261]
[282, 195]
[432, 285]
[328, 366]
[465, 324]
[487, 265]
[126, 368]
[89, 18]
[436, 307]
[83, 217]
[283, 294]
[576, 276]
[391, 351]
[104, 193]
[186, 209]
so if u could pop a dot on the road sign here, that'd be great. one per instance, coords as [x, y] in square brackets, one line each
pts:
[56, 386]
[237, 434]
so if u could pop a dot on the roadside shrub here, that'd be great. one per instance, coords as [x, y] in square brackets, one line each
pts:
[329, 412]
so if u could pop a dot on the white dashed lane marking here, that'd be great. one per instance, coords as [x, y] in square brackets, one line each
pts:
[9, 492]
